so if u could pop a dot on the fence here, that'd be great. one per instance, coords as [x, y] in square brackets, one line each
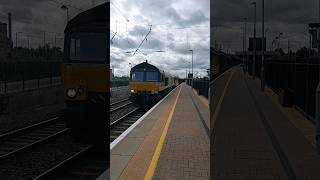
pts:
[21, 75]
[297, 76]
[119, 83]
[201, 86]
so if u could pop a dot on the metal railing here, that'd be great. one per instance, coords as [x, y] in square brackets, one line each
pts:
[17, 76]
[296, 77]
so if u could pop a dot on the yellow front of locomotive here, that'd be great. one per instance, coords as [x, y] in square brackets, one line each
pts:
[145, 83]
[85, 71]
[145, 87]
[85, 83]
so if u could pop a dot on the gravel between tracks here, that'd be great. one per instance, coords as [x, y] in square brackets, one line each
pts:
[34, 162]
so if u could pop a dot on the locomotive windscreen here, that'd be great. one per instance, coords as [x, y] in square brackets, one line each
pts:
[88, 46]
[137, 76]
[152, 76]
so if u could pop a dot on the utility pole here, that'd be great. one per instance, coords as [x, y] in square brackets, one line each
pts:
[186, 72]
[262, 56]
[10, 29]
[245, 44]
[191, 66]
[44, 38]
[55, 40]
[28, 42]
[254, 40]
[17, 38]
[189, 73]
[318, 93]
[244, 63]
[318, 42]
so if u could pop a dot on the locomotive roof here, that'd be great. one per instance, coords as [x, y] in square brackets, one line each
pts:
[144, 65]
[97, 14]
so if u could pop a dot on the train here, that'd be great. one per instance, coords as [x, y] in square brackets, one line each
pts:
[85, 73]
[148, 83]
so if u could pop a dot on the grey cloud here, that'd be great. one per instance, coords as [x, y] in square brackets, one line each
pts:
[291, 17]
[168, 17]
[33, 17]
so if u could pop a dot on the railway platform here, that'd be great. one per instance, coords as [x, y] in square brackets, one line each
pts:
[256, 138]
[171, 141]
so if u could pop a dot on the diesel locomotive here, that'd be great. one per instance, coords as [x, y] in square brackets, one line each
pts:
[148, 83]
[86, 74]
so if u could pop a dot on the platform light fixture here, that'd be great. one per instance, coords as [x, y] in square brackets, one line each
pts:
[65, 8]
[254, 38]
[191, 66]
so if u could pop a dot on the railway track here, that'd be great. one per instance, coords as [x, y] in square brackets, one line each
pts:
[22, 139]
[119, 105]
[85, 164]
[115, 103]
[120, 125]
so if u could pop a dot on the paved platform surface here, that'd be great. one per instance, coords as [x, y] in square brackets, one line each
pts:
[253, 138]
[172, 142]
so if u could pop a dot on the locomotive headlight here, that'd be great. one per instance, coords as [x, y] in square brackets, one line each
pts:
[132, 90]
[71, 93]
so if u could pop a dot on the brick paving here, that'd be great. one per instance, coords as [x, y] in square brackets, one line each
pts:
[300, 153]
[242, 148]
[303, 124]
[185, 153]
[257, 139]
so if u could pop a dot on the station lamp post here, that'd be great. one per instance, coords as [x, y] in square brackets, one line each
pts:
[17, 38]
[65, 8]
[28, 41]
[188, 82]
[262, 56]
[244, 60]
[254, 39]
[191, 67]
[318, 90]
[186, 73]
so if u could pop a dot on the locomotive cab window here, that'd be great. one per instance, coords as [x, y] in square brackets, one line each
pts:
[137, 76]
[88, 46]
[152, 76]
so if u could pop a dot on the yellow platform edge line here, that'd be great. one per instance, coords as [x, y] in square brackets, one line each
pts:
[217, 110]
[156, 155]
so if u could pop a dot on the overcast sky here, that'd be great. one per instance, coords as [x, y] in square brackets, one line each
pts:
[33, 17]
[177, 26]
[291, 17]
